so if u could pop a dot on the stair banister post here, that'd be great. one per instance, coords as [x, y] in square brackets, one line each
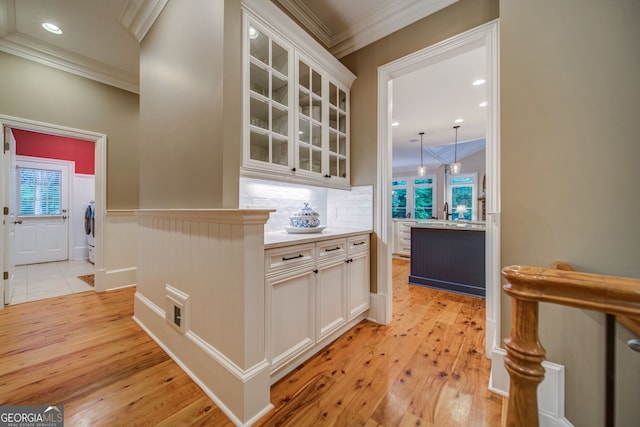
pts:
[523, 362]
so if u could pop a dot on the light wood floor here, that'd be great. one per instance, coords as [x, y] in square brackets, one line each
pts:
[83, 351]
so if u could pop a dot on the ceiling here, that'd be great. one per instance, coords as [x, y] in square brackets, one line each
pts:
[100, 42]
[429, 100]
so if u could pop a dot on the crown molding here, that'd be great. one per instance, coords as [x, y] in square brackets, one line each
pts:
[308, 19]
[31, 49]
[138, 16]
[382, 22]
[391, 17]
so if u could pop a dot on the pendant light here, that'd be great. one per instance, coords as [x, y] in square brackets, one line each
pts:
[421, 169]
[455, 166]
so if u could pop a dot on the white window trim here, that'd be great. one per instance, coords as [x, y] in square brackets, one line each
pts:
[474, 193]
[411, 186]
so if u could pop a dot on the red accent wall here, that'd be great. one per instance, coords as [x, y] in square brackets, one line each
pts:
[36, 144]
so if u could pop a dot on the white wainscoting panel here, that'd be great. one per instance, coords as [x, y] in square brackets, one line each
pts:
[550, 390]
[83, 193]
[216, 259]
[120, 251]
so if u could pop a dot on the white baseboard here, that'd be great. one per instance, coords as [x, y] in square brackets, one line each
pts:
[550, 390]
[80, 252]
[107, 280]
[211, 370]
[377, 308]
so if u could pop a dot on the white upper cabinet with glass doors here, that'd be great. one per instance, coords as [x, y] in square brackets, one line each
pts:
[296, 125]
[269, 73]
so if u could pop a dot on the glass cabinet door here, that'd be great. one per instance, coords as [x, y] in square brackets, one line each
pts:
[310, 119]
[337, 132]
[269, 98]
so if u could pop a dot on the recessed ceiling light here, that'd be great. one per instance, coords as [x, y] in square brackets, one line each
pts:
[478, 82]
[459, 120]
[253, 33]
[483, 104]
[395, 124]
[52, 28]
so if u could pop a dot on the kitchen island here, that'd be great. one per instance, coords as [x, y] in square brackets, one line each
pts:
[449, 255]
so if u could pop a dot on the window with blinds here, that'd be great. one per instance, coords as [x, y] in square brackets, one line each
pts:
[39, 192]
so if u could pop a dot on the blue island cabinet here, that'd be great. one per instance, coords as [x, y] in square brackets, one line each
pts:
[448, 258]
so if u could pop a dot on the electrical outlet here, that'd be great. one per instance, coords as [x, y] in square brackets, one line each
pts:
[177, 309]
[177, 318]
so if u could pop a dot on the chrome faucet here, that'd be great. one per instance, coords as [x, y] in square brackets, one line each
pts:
[445, 210]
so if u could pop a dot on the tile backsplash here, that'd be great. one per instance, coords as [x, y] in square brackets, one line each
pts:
[337, 208]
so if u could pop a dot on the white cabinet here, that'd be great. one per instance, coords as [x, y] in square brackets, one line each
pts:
[296, 111]
[358, 275]
[402, 237]
[322, 132]
[331, 281]
[268, 79]
[291, 326]
[313, 292]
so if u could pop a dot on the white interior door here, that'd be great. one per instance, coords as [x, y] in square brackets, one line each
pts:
[42, 231]
[9, 200]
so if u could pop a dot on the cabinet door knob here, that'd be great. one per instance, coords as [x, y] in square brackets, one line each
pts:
[315, 271]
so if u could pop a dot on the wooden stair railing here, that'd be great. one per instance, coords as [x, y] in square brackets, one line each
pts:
[527, 286]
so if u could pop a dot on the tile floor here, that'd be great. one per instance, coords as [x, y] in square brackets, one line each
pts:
[51, 279]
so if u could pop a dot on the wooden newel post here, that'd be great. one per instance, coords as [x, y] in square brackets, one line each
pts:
[524, 360]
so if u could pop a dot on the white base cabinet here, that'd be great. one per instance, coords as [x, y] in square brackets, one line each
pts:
[296, 319]
[402, 237]
[358, 275]
[315, 292]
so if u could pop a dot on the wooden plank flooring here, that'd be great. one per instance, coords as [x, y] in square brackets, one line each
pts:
[83, 351]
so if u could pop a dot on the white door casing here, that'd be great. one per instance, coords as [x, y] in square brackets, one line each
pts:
[484, 35]
[100, 180]
[8, 228]
[44, 238]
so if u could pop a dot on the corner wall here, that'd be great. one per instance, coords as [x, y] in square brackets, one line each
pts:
[569, 105]
[191, 106]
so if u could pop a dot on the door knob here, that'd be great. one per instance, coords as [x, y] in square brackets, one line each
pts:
[64, 217]
[18, 221]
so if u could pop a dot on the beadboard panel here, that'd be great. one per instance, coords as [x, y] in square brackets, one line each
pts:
[215, 259]
[119, 246]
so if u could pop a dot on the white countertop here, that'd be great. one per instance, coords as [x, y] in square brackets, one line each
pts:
[451, 225]
[276, 239]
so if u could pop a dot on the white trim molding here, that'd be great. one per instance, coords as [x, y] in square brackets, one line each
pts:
[550, 390]
[214, 258]
[100, 141]
[484, 35]
[138, 16]
[367, 28]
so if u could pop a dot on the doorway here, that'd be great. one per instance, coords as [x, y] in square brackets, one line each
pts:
[487, 36]
[10, 200]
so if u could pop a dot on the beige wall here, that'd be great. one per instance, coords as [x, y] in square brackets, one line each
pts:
[191, 122]
[40, 93]
[569, 105]
[364, 63]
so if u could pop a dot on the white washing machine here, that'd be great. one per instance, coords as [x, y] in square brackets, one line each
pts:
[90, 229]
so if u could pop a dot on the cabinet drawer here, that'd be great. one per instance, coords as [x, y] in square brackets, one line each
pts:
[405, 226]
[290, 256]
[403, 249]
[358, 244]
[404, 232]
[331, 248]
